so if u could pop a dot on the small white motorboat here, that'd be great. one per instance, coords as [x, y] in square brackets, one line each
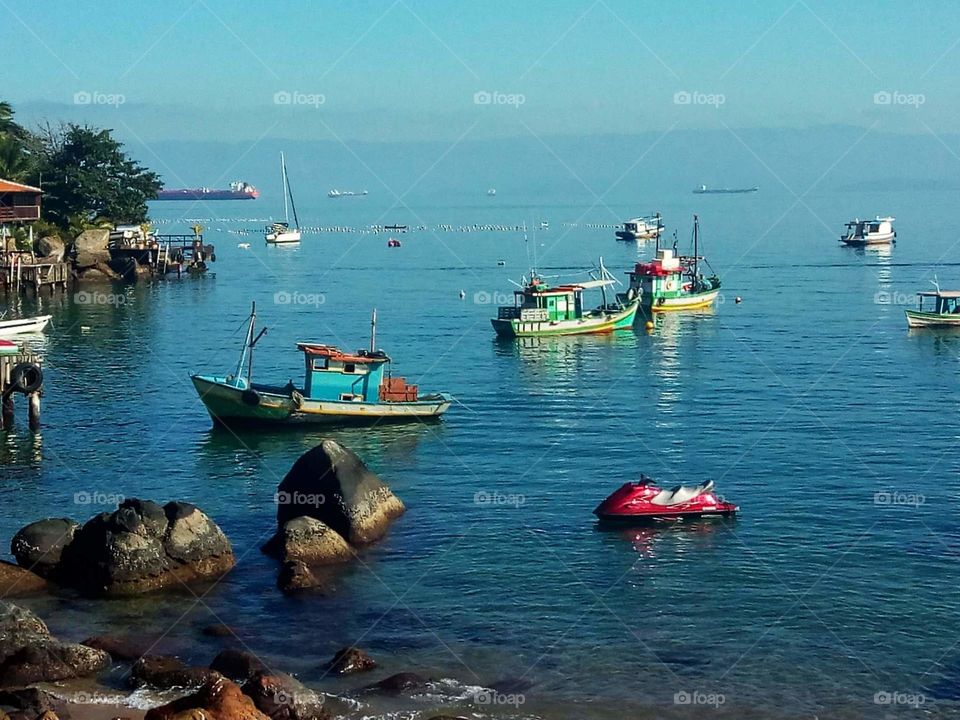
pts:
[21, 326]
[869, 232]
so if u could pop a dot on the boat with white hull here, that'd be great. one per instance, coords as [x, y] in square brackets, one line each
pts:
[869, 232]
[22, 326]
[281, 233]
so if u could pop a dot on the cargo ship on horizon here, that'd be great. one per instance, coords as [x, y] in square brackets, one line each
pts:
[238, 190]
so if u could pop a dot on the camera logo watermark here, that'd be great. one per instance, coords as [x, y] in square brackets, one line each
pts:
[97, 498]
[86, 297]
[495, 97]
[884, 297]
[887, 97]
[696, 697]
[909, 699]
[685, 97]
[299, 498]
[295, 97]
[483, 297]
[87, 97]
[897, 498]
[498, 499]
[494, 698]
[299, 298]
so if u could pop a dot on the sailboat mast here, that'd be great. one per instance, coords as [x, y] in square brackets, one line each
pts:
[286, 191]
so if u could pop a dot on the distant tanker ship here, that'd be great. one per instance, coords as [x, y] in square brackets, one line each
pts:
[239, 190]
[704, 190]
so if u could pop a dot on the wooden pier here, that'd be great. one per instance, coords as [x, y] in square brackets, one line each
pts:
[20, 272]
[20, 374]
[163, 255]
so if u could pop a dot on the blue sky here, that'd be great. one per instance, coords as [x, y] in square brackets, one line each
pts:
[412, 69]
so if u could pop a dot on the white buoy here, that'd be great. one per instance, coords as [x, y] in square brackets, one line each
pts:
[462, 294]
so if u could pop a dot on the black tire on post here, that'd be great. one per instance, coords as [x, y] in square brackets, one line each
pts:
[250, 397]
[26, 378]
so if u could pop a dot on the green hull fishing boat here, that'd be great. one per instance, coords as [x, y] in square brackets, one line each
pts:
[541, 310]
[945, 313]
[339, 388]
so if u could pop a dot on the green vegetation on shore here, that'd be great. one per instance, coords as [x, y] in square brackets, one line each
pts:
[84, 172]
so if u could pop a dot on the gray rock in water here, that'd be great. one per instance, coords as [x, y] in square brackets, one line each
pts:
[90, 248]
[332, 484]
[142, 546]
[38, 546]
[310, 541]
[51, 247]
[29, 653]
[165, 673]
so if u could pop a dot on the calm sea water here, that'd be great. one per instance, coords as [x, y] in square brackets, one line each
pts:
[809, 403]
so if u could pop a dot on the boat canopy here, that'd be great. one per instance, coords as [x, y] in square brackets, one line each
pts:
[334, 353]
[951, 294]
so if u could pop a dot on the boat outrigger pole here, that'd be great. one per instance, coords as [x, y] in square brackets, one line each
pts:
[696, 248]
[373, 332]
[249, 342]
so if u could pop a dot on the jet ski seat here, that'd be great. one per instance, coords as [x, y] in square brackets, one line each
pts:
[681, 494]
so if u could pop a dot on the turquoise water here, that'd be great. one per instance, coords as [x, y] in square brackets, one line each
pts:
[803, 402]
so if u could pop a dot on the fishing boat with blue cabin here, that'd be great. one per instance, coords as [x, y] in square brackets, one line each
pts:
[541, 310]
[339, 388]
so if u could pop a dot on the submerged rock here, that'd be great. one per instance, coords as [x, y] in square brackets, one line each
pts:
[120, 647]
[217, 699]
[237, 665]
[405, 682]
[281, 697]
[218, 630]
[143, 546]
[350, 660]
[333, 485]
[29, 653]
[16, 580]
[163, 672]
[39, 546]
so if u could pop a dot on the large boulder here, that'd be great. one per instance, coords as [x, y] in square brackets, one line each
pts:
[282, 697]
[333, 485]
[237, 664]
[16, 580]
[39, 545]
[90, 248]
[312, 542]
[29, 653]
[51, 247]
[163, 672]
[141, 547]
[218, 699]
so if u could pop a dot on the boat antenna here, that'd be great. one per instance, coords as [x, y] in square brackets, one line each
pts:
[696, 247]
[373, 331]
[936, 284]
[657, 233]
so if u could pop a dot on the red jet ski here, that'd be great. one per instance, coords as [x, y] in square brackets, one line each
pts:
[643, 500]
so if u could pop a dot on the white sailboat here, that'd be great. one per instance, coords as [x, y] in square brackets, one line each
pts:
[282, 233]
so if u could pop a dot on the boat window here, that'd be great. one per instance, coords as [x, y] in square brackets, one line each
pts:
[349, 368]
[320, 363]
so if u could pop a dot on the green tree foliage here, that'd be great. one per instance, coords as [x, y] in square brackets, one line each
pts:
[16, 162]
[87, 174]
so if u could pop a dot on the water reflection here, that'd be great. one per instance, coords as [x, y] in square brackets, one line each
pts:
[671, 537]
[18, 446]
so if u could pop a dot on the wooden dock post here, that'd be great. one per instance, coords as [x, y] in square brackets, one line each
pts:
[6, 415]
[33, 413]
[20, 373]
